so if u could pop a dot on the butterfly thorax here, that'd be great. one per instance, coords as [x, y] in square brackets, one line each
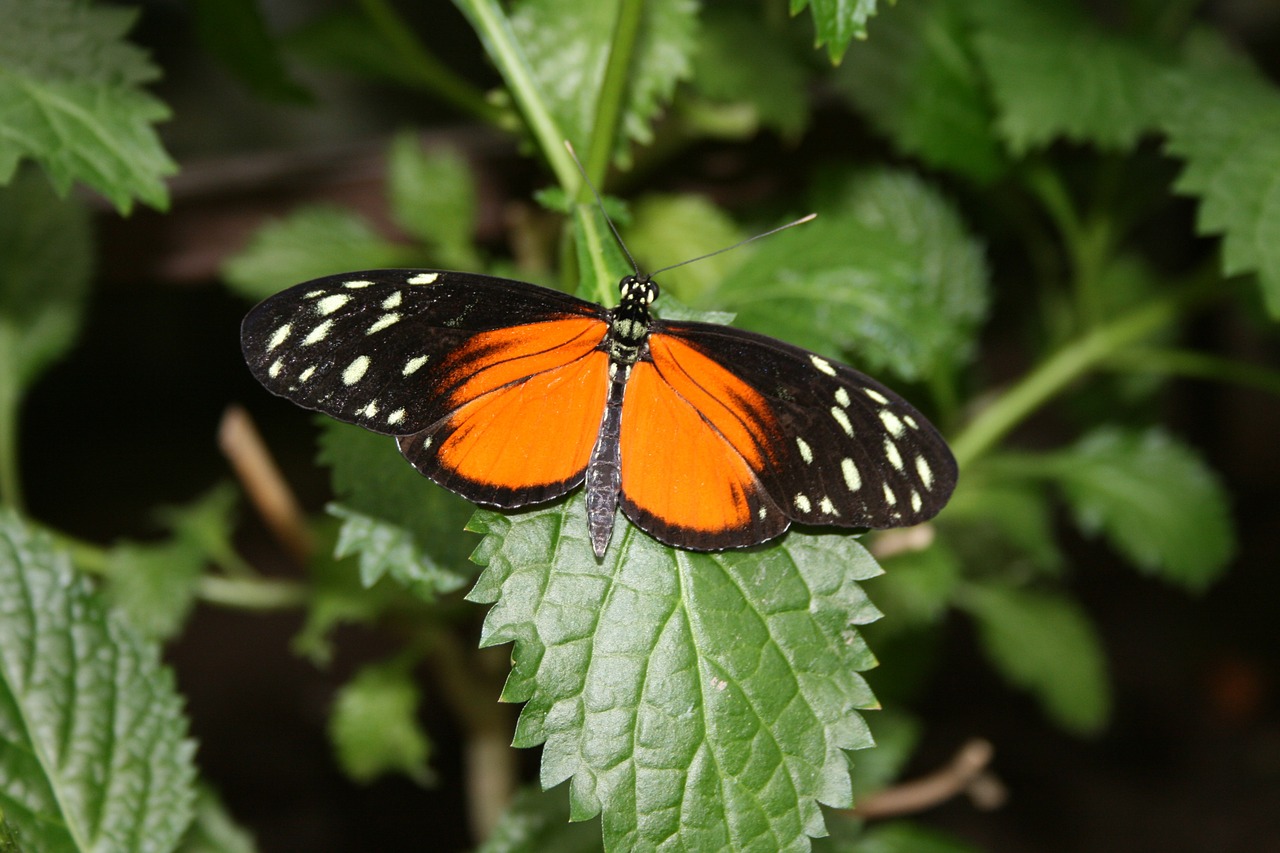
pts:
[629, 322]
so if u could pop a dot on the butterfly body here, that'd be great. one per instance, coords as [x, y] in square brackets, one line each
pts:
[510, 394]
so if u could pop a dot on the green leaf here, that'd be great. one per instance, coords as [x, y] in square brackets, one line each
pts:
[9, 840]
[1153, 498]
[917, 80]
[771, 85]
[1224, 121]
[904, 837]
[234, 31]
[668, 229]
[1015, 512]
[310, 243]
[46, 250]
[374, 726]
[1044, 643]
[837, 22]
[700, 700]
[214, 830]
[887, 270]
[1055, 73]
[70, 100]
[93, 745]
[896, 737]
[386, 549]
[372, 479]
[433, 197]
[566, 45]
[349, 40]
[917, 587]
[538, 821]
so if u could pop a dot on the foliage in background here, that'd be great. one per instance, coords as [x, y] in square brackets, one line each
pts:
[697, 699]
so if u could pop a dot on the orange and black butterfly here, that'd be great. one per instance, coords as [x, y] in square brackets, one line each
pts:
[511, 394]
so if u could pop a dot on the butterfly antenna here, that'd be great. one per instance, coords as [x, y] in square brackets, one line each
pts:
[799, 221]
[600, 203]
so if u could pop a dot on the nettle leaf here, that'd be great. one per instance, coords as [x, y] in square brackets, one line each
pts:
[154, 586]
[566, 46]
[374, 726]
[313, 242]
[887, 270]
[919, 83]
[538, 821]
[772, 84]
[698, 700]
[46, 250]
[1225, 123]
[1153, 498]
[70, 99]
[668, 229]
[388, 549]
[94, 752]
[1055, 73]
[433, 197]
[1044, 643]
[214, 830]
[837, 22]
[234, 31]
[380, 491]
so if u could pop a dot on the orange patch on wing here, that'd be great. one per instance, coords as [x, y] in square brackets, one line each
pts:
[490, 360]
[532, 430]
[691, 440]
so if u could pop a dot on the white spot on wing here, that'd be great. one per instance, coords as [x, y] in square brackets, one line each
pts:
[370, 410]
[891, 452]
[332, 303]
[312, 294]
[426, 443]
[424, 278]
[925, 472]
[805, 452]
[355, 370]
[852, 478]
[823, 365]
[892, 423]
[317, 334]
[875, 395]
[802, 503]
[910, 421]
[842, 397]
[843, 420]
[395, 417]
[306, 374]
[278, 337]
[828, 507]
[889, 497]
[356, 284]
[916, 502]
[274, 370]
[392, 301]
[383, 322]
[412, 365]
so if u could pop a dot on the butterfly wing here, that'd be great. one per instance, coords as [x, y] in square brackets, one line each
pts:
[729, 436]
[494, 388]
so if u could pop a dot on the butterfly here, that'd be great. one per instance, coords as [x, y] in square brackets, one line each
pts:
[509, 394]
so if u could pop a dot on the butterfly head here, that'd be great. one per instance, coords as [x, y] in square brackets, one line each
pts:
[631, 317]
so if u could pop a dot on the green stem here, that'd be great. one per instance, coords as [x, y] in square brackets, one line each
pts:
[10, 472]
[430, 73]
[1196, 364]
[258, 594]
[491, 24]
[1060, 370]
[613, 90]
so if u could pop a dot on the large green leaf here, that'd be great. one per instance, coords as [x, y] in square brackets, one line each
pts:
[1045, 643]
[698, 700]
[1055, 73]
[1153, 498]
[837, 22]
[374, 726]
[70, 99]
[566, 44]
[433, 197]
[93, 748]
[887, 270]
[917, 80]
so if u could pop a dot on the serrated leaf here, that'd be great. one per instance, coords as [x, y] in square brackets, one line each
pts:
[566, 46]
[433, 198]
[153, 587]
[1154, 500]
[93, 747]
[1055, 73]
[837, 22]
[887, 270]
[1224, 122]
[371, 478]
[234, 31]
[917, 80]
[214, 830]
[538, 821]
[70, 99]
[310, 243]
[337, 597]
[1044, 643]
[374, 726]
[702, 700]
[386, 549]
[668, 229]
[772, 84]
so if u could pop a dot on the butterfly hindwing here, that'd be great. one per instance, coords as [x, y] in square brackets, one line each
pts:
[472, 373]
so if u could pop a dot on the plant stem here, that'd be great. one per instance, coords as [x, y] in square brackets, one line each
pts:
[257, 594]
[1196, 364]
[613, 90]
[430, 73]
[1060, 370]
[491, 24]
[10, 474]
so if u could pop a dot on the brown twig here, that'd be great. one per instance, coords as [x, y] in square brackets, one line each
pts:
[242, 444]
[902, 540]
[965, 773]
